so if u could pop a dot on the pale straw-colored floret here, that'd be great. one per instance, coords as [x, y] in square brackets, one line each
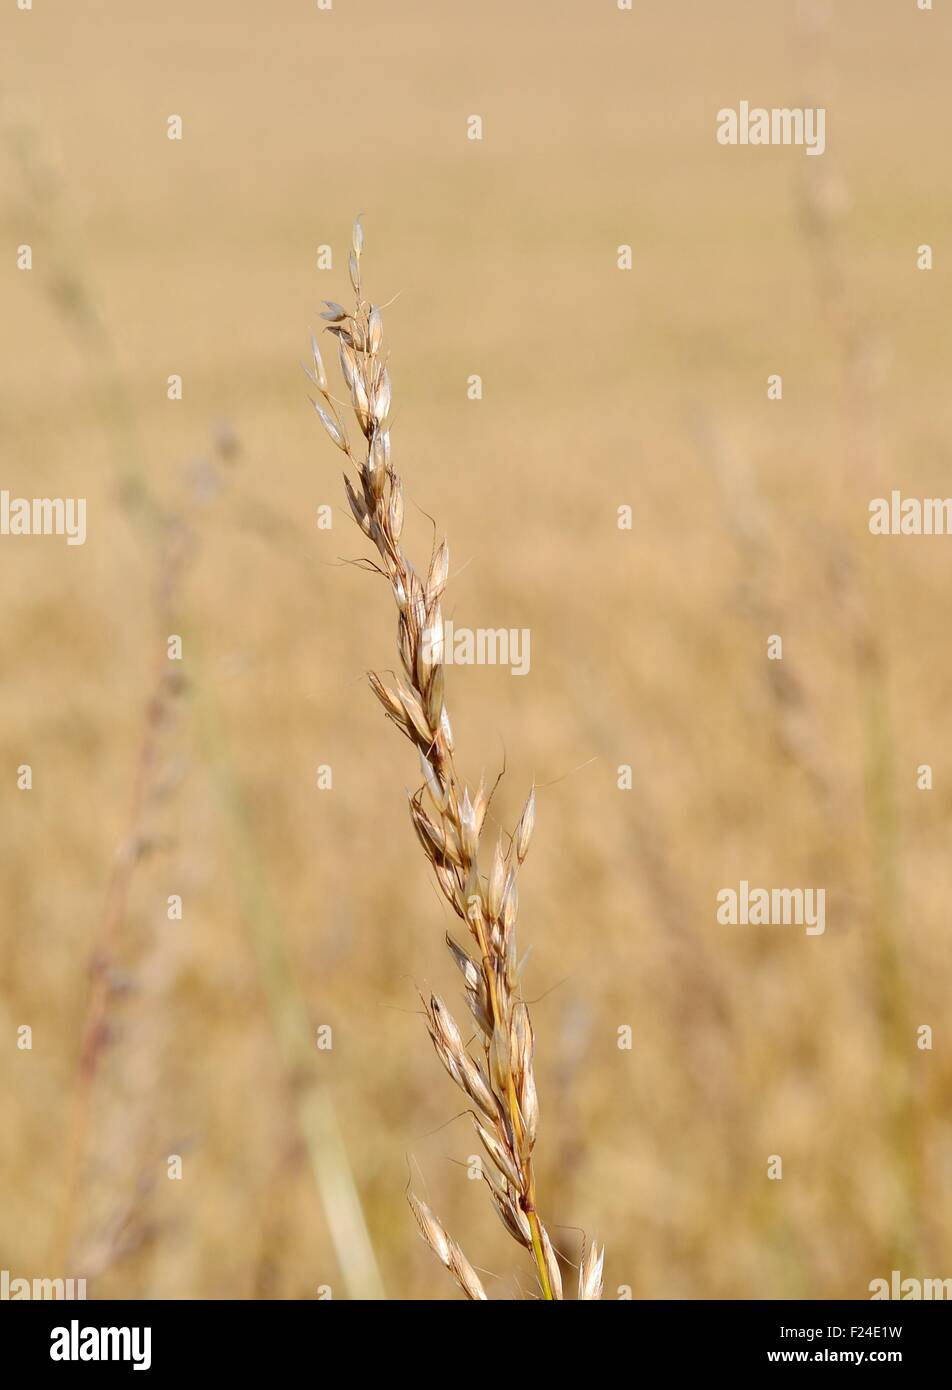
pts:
[446, 1250]
[590, 1273]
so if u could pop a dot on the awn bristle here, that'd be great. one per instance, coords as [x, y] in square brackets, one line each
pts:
[448, 818]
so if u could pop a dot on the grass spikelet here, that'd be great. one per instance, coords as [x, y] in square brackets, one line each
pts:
[448, 817]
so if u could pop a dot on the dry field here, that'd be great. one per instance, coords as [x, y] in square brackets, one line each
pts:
[305, 909]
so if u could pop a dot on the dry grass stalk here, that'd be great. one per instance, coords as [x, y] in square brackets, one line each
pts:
[824, 203]
[135, 845]
[448, 818]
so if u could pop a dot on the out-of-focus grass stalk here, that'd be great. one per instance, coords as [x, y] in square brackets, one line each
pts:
[888, 979]
[106, 940]
[822, 203]
[71, 293]
[316, 1115]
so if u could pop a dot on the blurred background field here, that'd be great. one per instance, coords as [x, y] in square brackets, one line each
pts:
[601, 388]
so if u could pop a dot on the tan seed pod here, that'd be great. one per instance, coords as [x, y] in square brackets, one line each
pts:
[473, 895]
[387, 697]
[395, 510]
[480, 805]
[446, 1026]
[430, 648]
[450, 1062]
[332, 426]
[479, 1008]
[499, 1059]
[467, 823]
[354, 268]
[382, 398]
[348, 363]
[359, 396]
[466, 1276]
[378, 481]
[404, 644]
[335, 313]
[447, 881]
[525, 828]
[514, 1220]
[511, 962]
[433, 784]
[450, 843]
[431, 645]
[453, 847]
[474, 1083]
[551, 1264]
[460, 902]
[375, 330]
[520, 1033]
[415, 714]
[446, 729]
[467, 966]
[497, 882]
[318, 364]
[590, 1274]
[431, 1229]
[432, 839]
[431, 611]
[439, 569]
[400, 594]
[529, 1105]
[380, 450]
[510, 901]
[357, 237]
[499, 1154]
[357, 505]
[446, 1250]
[434, 696]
